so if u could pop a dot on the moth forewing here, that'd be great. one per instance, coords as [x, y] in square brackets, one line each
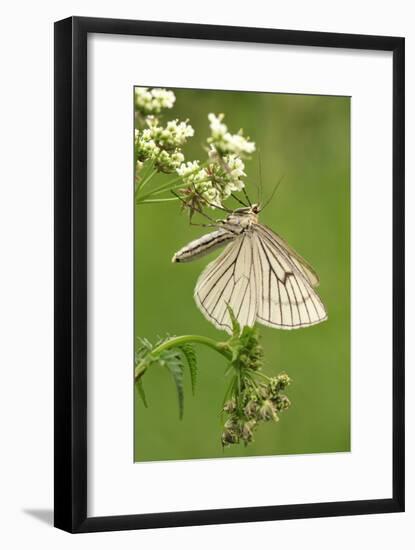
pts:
[227, 281]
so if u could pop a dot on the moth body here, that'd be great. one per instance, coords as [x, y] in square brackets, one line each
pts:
[203, 245]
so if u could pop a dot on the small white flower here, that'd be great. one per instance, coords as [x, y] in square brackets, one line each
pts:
[147, 134]
[193, 176]
[238, 144]
[237, 185]
[235, 165]
[150, 102]
[217, 128]
[223, 142]
[187, 168]
[168, 162]
[143, 100]
[199, 182]
[217, 181]
[145, 147]
[162, 145]
[211, 195]
[175, 134]
[177, 158]
[164, 98]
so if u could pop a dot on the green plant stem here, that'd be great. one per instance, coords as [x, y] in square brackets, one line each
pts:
[146, 180]
[162, 189]
[220, 347]
[149, 201]
[261, 374]
[173, 187]
[169, 186]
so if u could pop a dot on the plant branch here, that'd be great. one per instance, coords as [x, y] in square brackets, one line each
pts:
[146, 180]
[175, 183]
[220, 347]
[150, 201]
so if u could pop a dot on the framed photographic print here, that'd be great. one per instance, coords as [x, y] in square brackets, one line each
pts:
[229, 274]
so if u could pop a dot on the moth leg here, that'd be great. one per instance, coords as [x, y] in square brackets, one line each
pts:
[223, 208]
[203, 224]
[199, 211]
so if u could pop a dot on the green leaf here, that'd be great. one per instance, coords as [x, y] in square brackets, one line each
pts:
[141, 393]
[236, 328]
[190, 354]
[176, 370]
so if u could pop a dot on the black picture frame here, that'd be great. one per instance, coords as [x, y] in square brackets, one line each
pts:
[70, 175]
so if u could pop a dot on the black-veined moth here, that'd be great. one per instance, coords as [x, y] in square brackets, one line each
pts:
[258, 275]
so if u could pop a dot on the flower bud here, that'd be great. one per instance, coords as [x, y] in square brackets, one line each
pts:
[251, 408]
[229, 437]
[283, 380]
[248, 431]
[230, 406]
[263, 391]
[267, 411]
[232, 423]
[282, 403]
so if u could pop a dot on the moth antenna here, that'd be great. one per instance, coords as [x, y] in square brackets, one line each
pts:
[273, 193]
[259, 193]
[260, 177]
[246, 196]
[199, 211]
[239, 200]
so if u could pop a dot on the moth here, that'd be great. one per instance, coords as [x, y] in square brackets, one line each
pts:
[258, 275]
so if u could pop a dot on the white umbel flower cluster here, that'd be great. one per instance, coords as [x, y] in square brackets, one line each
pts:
[235, 167]
[203, 184]
[188, 170]
[226, 143]
[152, 101]
[162, 145]
[214, 183]
[175, 134]
[199, 184]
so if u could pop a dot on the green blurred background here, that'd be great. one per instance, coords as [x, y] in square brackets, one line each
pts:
[306, 140]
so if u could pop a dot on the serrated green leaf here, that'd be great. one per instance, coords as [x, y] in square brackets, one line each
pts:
[176, 370]
[170, 354]
[140, 389]
[191, 358]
